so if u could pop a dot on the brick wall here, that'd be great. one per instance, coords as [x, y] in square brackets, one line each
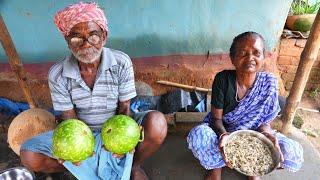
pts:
[288, 61]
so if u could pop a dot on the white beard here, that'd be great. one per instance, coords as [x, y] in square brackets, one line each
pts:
[88, 55]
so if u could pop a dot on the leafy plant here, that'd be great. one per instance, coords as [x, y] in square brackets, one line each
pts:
[299, 7]
[297, 121]
[315, 93]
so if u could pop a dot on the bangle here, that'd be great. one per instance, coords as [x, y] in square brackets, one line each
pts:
[223, 135]
[264, 132]
[268, 132]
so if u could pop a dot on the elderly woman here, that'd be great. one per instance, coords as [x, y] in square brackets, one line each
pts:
[244, 98]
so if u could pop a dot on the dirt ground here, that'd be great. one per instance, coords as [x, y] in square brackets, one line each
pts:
[311, 127]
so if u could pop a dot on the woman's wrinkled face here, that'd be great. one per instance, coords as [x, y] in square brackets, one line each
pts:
[86, 41]
[249, 54]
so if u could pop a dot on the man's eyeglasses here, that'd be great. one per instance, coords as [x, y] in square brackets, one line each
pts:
[79, 41]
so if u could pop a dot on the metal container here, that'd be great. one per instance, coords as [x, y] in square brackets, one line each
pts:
[17, 173]
[275, 153]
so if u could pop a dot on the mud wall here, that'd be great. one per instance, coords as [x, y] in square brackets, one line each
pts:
[185, 42]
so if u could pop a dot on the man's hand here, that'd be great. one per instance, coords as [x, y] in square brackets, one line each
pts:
[123, 108]
[222, 142]
[69, 114]
[60, 161]
[275, 142]
[121, 155]
[118, 155]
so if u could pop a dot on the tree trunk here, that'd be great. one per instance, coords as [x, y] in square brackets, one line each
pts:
[307, 58]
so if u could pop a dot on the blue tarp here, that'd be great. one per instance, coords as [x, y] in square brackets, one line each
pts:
[10, 108]
[175, 101]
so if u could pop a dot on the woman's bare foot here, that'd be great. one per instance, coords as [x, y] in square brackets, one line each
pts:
[214, 174]
[137, 173]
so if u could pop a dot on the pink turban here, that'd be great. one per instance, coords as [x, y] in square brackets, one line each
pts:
[66, 18]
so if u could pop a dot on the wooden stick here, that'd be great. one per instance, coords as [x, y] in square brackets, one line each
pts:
[307, 58]
[308, 109]
[15, 62]
[184, 86]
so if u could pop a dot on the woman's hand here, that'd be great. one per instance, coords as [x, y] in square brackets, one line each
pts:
[275, 142]
[223, 139]
[222, 142]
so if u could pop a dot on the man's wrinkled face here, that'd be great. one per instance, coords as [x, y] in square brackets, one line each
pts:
[86, 41]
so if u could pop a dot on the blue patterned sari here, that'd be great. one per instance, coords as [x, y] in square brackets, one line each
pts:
[260, 105]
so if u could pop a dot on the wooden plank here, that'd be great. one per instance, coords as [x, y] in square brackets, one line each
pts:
[189, 117]
[168, 83]
[15, 62]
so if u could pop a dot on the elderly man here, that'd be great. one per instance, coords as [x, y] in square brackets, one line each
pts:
[92, 84]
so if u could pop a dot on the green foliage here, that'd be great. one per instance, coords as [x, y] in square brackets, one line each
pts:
[315, 93]
[297, 121]
[302, 25]
[299, 7]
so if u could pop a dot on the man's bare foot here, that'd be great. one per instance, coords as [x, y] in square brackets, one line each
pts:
[254, 178]
[137, 173]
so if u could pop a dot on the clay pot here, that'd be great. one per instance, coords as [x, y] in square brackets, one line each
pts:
[301, 23]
